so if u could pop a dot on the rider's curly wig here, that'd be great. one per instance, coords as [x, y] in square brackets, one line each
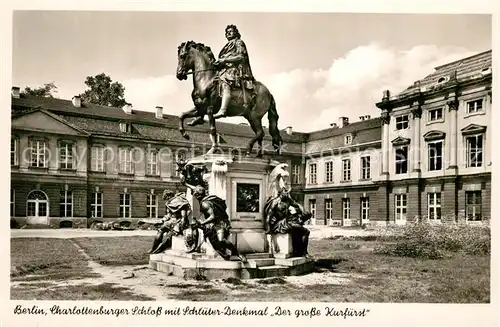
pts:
[238, 35]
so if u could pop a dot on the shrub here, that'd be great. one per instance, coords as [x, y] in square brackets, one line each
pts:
[425, 240]
[14, 224]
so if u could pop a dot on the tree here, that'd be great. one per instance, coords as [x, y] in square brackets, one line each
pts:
[46, 90]
[103, 91]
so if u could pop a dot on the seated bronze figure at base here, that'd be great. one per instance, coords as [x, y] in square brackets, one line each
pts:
[177, 210]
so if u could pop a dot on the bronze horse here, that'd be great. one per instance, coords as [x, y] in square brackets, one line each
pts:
[197, 59]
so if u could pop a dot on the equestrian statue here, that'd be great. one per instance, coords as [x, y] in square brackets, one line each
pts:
[226, 87]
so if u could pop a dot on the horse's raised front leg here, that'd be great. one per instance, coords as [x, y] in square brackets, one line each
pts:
[188, 114]
[197, 121]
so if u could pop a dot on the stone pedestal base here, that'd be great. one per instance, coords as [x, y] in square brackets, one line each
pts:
[249, 241]
[198, 265]
[280, 245]
[206, 248]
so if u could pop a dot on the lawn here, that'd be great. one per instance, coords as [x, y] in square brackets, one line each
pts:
[367, 276]
[374, 278]
[52, 258]
[117, 251]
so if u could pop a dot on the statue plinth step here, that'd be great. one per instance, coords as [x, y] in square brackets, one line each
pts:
[258, 265]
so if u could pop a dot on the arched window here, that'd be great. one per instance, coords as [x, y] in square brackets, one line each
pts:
[37, 204]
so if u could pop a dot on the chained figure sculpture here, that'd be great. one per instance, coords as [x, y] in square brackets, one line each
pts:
[175, 221]
[284, 215]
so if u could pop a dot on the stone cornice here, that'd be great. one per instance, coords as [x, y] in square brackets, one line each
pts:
[451, 87]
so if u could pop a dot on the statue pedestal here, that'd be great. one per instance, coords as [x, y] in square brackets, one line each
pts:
[243, 183]
[206, 248]
[282, 246]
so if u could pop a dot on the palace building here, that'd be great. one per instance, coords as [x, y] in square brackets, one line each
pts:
[428, 156]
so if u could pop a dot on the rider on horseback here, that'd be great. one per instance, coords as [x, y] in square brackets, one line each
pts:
[233, 68]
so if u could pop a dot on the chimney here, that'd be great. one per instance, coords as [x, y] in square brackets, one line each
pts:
[289, 130]
[361, 117]
[367, 117]
[343, 122]
[387, 95]
[333, 125]
[127, 108]
[16, 92]
[77, 101]
[159, 112]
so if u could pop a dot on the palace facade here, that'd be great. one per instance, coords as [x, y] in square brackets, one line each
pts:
[428, 156]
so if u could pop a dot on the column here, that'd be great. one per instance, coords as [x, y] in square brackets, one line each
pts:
[417, 115]
[385, 142]
[217, 182]
[386, 106]
[453, 109]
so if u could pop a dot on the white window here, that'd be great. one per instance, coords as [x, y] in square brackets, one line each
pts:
[125, 206]
[474, 150]
[474, 106]
[296, 174]
[473, 205]
[125, 127]
[402, 160]
[37, 204]
[96, 205]
[434, 206]
[435, 114]
[329, 171]
[365, 167]
[152, 168]
[125, 161]
[312, 173]
[12, 202]
[66, 155]
[312, 208]
[402, 122]
[346, 169]
[152, 205]
[435, 155]
[38, 153]
[97, 158]
[14, 151]
[346, 208]
[347, 139]
[328, 209]
[365, 208]
[66, 204]
[400, 206]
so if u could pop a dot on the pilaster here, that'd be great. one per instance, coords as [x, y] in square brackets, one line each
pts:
[417, 115]
[453, 110]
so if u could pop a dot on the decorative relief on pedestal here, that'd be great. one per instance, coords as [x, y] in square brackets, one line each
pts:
[247, 197]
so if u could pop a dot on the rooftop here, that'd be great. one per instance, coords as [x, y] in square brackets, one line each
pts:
[463, 69]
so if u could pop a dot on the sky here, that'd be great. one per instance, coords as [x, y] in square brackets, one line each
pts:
[318, 66]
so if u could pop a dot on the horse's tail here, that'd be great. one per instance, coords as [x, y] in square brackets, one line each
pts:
[273, 117]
